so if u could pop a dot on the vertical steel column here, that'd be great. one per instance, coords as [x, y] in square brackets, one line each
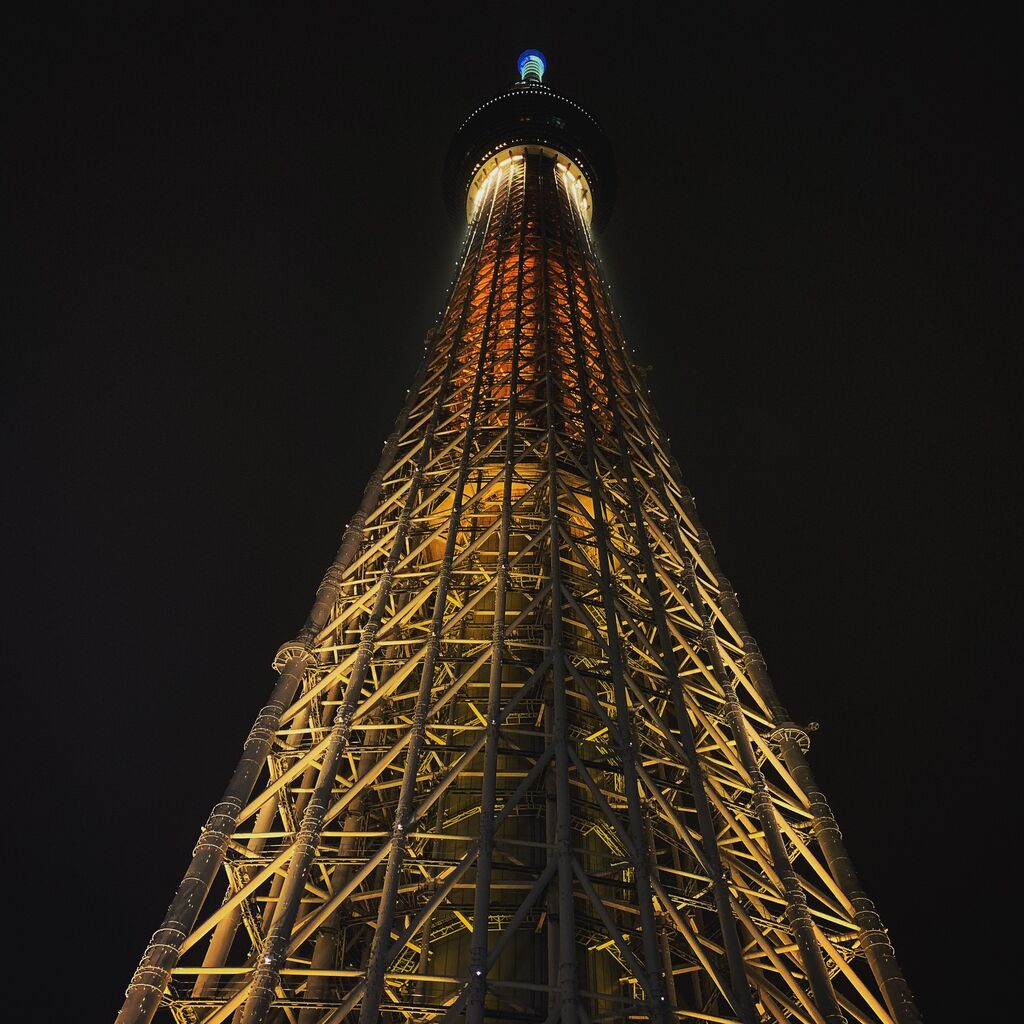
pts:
[434, 846]
[324, 950]
[551, 849]
[878, 950]
[568, 971]
[482, 895]
[267, 972]
[741, 1000]
[377, 963]
[796, 902]
[653, 989]
[153, 973]
[224, 934]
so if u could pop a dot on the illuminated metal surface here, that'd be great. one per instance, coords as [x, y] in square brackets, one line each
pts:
[531, 65]
[524, 762]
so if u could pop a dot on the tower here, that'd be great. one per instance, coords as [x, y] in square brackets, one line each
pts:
[524, 760]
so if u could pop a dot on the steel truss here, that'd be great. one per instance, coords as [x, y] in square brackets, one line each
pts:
[524, 762]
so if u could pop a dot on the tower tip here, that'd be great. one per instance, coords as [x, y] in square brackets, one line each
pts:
[532, 65]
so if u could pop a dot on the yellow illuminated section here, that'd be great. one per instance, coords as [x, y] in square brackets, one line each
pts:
[525, 761]
[488, 174]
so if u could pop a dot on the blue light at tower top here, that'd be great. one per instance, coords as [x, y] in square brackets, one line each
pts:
[532, 65]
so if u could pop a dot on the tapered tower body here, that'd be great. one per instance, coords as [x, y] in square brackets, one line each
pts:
[524, 761]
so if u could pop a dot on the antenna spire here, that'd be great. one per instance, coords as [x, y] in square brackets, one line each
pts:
[532, 65]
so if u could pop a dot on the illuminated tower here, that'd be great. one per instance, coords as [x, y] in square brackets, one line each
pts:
[524, 761]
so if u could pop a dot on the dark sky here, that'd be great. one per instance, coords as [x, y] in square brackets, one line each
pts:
[230, 243]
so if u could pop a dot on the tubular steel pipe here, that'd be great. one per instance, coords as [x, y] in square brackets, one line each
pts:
[796, 902]
[878, 950]
[224, 934]
[433, 797]
[740, 1000]
[568, 970]
[425, 912]
[651, 978]
[435, 847]
[482, 895]
[425, 915]
[377, 965]
[275, 949]
[150, 979]
[671, 814]
[325, 948]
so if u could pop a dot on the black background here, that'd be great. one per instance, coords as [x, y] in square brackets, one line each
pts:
[231, 243]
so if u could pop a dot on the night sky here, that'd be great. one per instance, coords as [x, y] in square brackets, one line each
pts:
[230, 243]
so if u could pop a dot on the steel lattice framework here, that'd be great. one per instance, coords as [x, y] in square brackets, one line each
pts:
[524, 762]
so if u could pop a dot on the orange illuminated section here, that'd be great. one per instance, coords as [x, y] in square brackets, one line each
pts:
[528, 276]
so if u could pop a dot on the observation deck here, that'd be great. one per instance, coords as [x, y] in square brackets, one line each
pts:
[529, 117]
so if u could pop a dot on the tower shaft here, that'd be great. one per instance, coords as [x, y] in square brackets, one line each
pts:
[523, 761]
